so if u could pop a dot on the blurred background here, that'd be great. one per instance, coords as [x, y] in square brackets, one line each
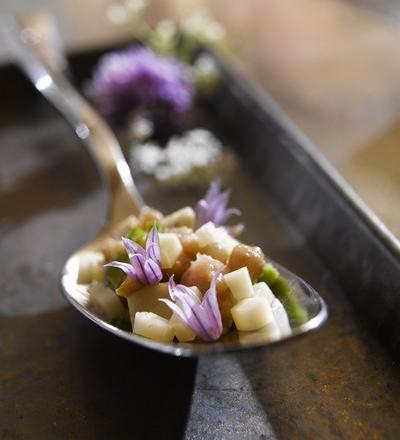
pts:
[332, 65]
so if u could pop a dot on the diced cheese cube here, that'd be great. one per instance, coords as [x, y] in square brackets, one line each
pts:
[239, 283]
[207, 234]
[152, 326]
[88, 263]
[147, 298]
[281, 318]
[269, 333]
[183, 217]
[252, 314]
[170, 247]
[227, 241]
[182, 332]
[105, 301]
[262, 289]
[279, 312]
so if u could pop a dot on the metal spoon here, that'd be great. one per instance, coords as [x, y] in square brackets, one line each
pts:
[31, 48]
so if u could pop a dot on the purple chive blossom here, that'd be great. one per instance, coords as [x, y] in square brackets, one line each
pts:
[213, 207]
[204, 317]
[139, 78]
[145, 264]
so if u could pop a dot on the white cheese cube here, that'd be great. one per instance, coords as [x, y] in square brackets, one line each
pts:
[207, 234]
[263, 290]
[152, 326]
[182, 332]
[252, 314]
[105, 301]
[227, 241]
[281, 317]
[171, 248]
[239, 283]
[146, 299]
[183, 217]
[88, 263]
[269, 333]
[279, 312]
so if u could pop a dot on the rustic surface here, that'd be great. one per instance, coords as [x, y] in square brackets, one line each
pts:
[61, 377]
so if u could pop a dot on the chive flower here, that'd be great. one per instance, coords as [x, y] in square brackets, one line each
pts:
[145, 264]
[213, 207]
[203, 317]
[137, 78]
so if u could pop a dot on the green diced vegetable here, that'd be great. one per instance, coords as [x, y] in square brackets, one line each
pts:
[136, 234]
[149, 225]
[115, 276]
[283, 291]
[269, 274]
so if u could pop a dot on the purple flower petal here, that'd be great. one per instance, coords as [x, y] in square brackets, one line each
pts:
[213, 207]
[204, 317]
[138, 262]
[132, 247]
[153, 272]
[125, 267]
[153, 245]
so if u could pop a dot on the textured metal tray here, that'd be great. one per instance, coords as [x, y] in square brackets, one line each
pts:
[61, 377]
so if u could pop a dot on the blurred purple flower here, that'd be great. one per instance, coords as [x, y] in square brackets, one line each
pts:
[145, 266]
[139, 78]
[213, 207]
[204, 317]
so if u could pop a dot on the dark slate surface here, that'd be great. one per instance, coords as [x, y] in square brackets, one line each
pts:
[61, 377]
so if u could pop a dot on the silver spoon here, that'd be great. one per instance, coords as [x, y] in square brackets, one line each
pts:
[31, 43]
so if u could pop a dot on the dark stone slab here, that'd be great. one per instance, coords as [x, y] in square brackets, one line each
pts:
[61, 377]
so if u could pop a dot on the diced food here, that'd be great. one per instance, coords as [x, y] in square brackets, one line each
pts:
[126, 225]
[180, 266]
[183, 217]
[269, 274]
[207, 234]
[147, 299]
[279, 312]
[269, 333]
[284, 292]
[105, 301]
[127, 287]
[262, 289]
[239, 283]
[152, 326]
[89, 264]
[201, 272]
[184, 277]
[148, 216]
[187, 238]
[112, 248]
[216, 250]
[171, 248]
[227, 241]
[251, 257]
[252, 314]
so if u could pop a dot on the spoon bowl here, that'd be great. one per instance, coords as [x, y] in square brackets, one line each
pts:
[30, 45]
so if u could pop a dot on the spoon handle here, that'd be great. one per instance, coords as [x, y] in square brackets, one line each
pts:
[29, 45]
